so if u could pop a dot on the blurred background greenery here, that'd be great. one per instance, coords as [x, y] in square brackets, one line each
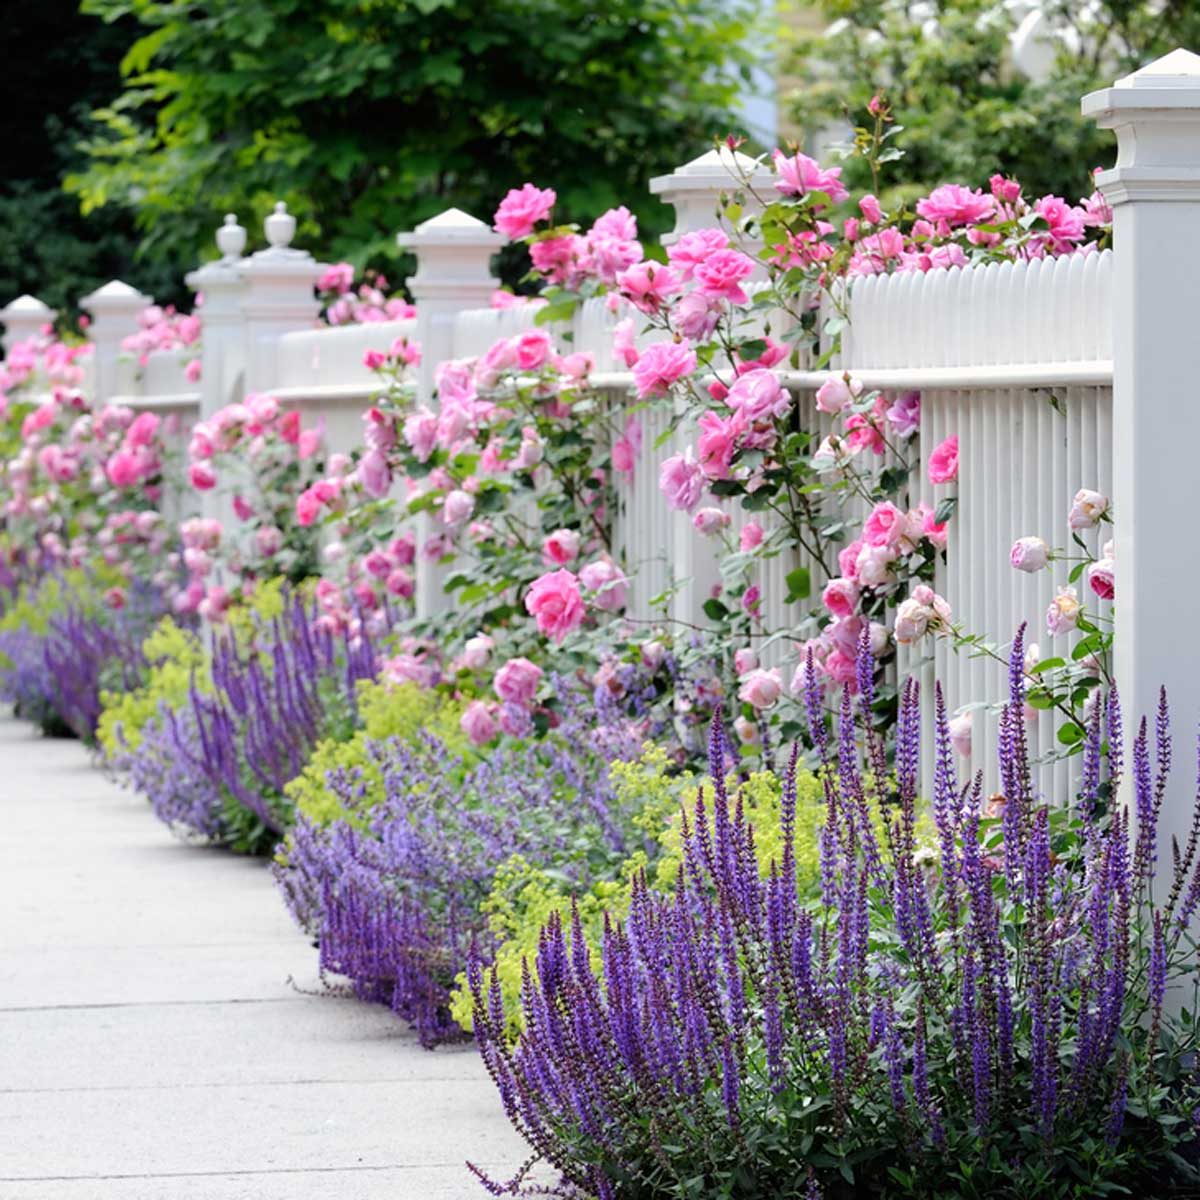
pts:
[135, 124]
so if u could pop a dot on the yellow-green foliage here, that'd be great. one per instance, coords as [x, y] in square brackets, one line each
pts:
[523, 895]
[174, 655]
[386, 711]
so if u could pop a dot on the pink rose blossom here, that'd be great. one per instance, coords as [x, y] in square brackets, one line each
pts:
[694, 248]
[624, 338]
[943, 462]
[840, 597]
[885, 526]
[457, 507]
[661, 365]
[608, 584]
[555, 603]
[648, 284]
[517, 681]
[759, 396]
[960, 734]
[956, 205]
[709, 521]
[1063, 614]
[751, 536]
[717, 442]
[533, 349]
[1029, 554]
[836, 393]
[800, 175]
[681, 481]
[1100, 577]
[476, 651]
[1087, 509]
[722, 273]
[309, 443]
[478, 723]
[761, 688]
[522, 209]
[745, 661]
[870, 209]
[560, 547]
[123, 470]
[202, 477]
[904, 415]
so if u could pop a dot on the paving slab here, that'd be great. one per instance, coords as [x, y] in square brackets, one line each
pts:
[164, 1034]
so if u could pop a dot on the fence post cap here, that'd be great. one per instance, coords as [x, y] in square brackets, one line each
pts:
[115, 297]
[280, 227]
[451, 227]
[717, 168]
[231, 238]
[26, 306]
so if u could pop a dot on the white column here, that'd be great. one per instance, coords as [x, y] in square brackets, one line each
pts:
[114, 310]
[222, 324]
[23, 319]
[695, 190]
[454, 252]
[1155, 193]
[279, 297]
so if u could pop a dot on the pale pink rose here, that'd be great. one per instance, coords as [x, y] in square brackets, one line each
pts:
[922, 612]
[840, 597]
[681, 481]
[799, 175]
[1100, 578]
[608, 584]
[399, 583]
[761, 688]
[555, 603]
[652, 654]
[943, 462]
[269, 540]
[560, 547]
[956, 205]
[661, 365]
[522, 208]
[885, 526]
[478, 722]
[517, 681]
[751, 536]
[420, 432]
[457, 508]
[477, 651]
[745, 661]
[215, 604]
[409, 668]
[648, 285]
[836, 393]
[375, 474]
[198, 562]
[1063, 614]
[722, 273]
[709, 521]
[1029, 554]
[1087, 509]
[960, 734]
[841, 667]
[696, 316]
[746, 730]
[904, 415]
[191, 372]
[309, 443]
[870, 209]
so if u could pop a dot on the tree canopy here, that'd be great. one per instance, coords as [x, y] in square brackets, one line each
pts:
[368, 116]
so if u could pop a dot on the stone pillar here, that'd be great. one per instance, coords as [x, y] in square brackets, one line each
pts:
[1155, 193]
[279, 297]
[454, 252]
[24, 318]
[114, 310]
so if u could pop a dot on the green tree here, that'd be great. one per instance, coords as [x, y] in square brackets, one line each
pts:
[60, 64]
[947, 70]
[367, 116]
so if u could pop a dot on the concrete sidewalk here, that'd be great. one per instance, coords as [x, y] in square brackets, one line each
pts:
[152, 1046]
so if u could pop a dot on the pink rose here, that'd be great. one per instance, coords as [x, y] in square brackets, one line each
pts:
[476, 651]
[751, 536]
[608, 583]
[717, 443]
[420, 432]
[885, 526]
[710, 520]
[745, 661]
[943, 462]
[269, 540]
[123, 470]
[694, 248]
[399, 583]
[556, 604]
[457, 508]
[800, 175]
[840, 597]
[308, 443]
[722, 273]
[533, 349]
[478, 723]
[956, 205]
[1101, 579]
[517, 681]
[836, 393]
[848, 559]
[374, 359]
[759, 396]
[624, 337]
[681, 481]
[1029, 554]
[522, 209]
[143, 430]
[648, 284]
[660, 366]
[761, 688]
[960, 734]
[560, 547]
[202, 477]
[870, 209]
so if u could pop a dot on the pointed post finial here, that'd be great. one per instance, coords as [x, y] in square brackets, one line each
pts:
[231, 238]
[280, 227]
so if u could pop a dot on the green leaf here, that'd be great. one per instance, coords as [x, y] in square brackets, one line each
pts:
[799, 584]
[945, 509]
[714, 610]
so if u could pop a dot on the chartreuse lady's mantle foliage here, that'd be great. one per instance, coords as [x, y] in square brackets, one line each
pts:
[988, 1020]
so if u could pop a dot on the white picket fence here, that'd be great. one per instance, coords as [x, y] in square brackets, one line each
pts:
[1016, 359]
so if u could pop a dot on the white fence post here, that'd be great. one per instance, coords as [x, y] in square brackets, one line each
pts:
[694, 191]
[1155, 193]
[23, 319]
[454, 252]
[114, 310]
[222, 336]
[278, 298]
